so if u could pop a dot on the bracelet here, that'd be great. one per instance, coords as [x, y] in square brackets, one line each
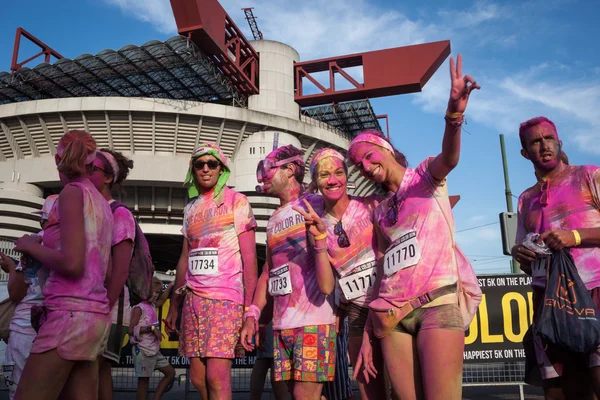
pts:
[454, 121]
[252, 312]
[321, 236]
[455, 115]
[577, 237]
[320, 249]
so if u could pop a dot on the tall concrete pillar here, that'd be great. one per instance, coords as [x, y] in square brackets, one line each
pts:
[276, 79]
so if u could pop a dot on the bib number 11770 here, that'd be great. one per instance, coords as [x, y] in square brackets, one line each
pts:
[403, 254]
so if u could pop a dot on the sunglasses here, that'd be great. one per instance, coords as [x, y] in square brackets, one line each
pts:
[392, 212]
[342, 237]
[545, 197]
[96, 168]
[212, 164]
[265, 166]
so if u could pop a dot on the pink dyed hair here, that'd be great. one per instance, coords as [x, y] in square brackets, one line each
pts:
[525, 126]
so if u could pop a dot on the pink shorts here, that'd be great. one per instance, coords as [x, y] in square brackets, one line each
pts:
[76, 335]
[209, 328]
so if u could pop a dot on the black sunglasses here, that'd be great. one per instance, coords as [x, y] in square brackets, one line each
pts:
[392, 212]
[212, 164]
[343, 240]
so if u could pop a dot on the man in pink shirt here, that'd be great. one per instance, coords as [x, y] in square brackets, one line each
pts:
[304, 338]
[216, 272]
[564, 208]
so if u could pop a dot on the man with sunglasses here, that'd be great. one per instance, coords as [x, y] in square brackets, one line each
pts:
[303, 318]
[216, 272]
[563, 207]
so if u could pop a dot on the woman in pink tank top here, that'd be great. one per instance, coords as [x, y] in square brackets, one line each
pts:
[416, 314]
[74, 321]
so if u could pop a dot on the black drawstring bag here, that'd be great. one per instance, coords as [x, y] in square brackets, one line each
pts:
[568, 317]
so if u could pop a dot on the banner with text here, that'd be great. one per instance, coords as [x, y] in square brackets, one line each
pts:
[495, 335]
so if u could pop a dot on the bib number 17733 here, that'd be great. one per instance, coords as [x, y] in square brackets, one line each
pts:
[404, 253]
[280, 282]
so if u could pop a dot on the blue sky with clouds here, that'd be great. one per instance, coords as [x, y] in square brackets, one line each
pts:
[531, 58]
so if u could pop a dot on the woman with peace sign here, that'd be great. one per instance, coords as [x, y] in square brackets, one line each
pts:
[416, 315]
[351, 255]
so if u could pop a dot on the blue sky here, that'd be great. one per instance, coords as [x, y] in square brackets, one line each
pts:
[530, 57]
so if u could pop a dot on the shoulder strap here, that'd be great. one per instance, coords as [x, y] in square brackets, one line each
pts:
[119, 330]
[453, 241]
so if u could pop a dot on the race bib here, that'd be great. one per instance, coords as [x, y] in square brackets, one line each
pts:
[403, 254]
[359, 282]
[280, 282]
[204, 261]
[538, 268]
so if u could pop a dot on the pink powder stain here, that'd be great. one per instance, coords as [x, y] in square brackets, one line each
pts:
[573, 203]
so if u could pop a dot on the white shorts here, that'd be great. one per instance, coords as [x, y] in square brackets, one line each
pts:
[17, 352]
[145, 365]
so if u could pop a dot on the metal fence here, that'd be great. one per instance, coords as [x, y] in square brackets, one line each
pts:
[491, 374]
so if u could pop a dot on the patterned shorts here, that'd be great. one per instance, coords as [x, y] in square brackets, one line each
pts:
[209, 328]
[305, 354]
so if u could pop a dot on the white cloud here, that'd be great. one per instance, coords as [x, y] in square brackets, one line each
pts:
[156, 12]
[322, 29]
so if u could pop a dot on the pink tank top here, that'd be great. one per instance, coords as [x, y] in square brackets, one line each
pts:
[85, 292]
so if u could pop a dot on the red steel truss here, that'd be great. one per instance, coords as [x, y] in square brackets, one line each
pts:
[386, 73]
[206, 23]
[47, 51]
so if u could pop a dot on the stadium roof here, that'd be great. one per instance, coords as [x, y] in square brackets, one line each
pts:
[351, 117]
[175, 69]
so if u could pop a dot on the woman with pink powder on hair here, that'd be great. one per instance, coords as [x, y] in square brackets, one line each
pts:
[416, 314]
[351, 251]
[74, 321]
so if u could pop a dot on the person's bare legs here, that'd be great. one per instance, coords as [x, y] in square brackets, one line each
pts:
[257, 379]
[82, 383]
[376, 389]
[198, 376]
[142, 389]
[280, 388]
[168, 376]
[105, 388]
[401, 359]
[44, 376]
[218, 378]
[441, 357]
[307, 391]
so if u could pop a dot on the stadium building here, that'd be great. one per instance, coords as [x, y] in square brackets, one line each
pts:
[157, 101]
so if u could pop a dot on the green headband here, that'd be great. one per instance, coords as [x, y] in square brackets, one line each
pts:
[190, 179]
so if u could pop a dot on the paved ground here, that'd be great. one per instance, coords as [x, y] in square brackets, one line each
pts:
[470, 393]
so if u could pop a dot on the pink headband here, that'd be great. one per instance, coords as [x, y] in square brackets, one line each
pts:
[367, 137]
[60, 151]
[321, 155]
[113, 163]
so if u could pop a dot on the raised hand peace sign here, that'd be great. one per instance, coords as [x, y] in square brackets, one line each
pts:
[461, 86]
[314, 224]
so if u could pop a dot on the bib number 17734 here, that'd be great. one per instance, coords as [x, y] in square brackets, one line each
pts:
[204, 261]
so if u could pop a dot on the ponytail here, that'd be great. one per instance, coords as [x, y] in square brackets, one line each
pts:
[76, 150]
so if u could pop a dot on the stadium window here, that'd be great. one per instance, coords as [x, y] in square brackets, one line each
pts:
[251, 150]
[262, 150]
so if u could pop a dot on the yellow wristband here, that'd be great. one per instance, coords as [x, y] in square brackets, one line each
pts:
[321, 236]
[455, 115]
[577, 237]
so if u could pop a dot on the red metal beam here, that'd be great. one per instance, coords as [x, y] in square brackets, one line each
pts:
[454, 200]
[207, 24]
[47, 51]
[386, 73]
[387, 124]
